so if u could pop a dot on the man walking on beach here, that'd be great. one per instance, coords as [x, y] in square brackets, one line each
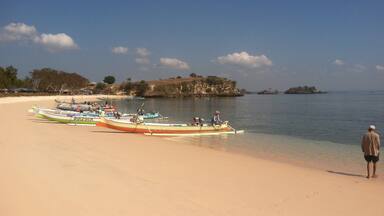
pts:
[370, 144]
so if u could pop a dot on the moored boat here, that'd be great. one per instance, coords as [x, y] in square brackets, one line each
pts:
[161, 128]
[74, 107]
[69, 119]
[89, 118]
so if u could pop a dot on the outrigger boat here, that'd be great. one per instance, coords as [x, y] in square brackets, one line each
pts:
[86, 118]
[162, 129]
[36, 110]
[68, 118]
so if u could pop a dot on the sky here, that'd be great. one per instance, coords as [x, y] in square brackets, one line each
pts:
[334, 45]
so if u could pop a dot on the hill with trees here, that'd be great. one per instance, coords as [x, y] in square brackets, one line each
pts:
[52, 81]
[183, 87]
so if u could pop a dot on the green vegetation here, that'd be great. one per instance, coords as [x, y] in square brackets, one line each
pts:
[137, 88]
[51, 80]
[214, 80]
[8, 79]
[100, 86]
[109, 79]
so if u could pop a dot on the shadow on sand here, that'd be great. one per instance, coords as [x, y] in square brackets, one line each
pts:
[346, 174]
[44, 121]
[108, 132]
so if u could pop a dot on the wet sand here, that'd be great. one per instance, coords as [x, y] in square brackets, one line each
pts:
[55, 169]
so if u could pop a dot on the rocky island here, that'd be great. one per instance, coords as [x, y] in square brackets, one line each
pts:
[304, 90]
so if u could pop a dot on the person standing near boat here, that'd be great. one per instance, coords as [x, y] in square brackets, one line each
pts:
[216, 118]
[140, 111]
[370, 145]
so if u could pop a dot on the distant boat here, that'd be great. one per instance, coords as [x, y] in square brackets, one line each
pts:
[131, 97]
[268, 92]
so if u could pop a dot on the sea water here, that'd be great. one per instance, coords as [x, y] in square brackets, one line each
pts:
[319, 130]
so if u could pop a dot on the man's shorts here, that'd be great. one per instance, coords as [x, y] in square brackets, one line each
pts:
[371, 158]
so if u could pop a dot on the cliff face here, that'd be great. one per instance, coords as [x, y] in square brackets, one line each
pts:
[192, 86]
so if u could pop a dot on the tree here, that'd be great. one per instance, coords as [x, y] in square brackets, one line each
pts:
[47, 79]
[3, 79]
[109, 79]
[8, 77]
[27, 82]
[193, 75]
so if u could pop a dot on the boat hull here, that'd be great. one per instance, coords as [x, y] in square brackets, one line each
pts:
[160, 128]
[68, 119]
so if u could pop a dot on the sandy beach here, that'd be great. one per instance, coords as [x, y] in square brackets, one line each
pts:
[55, 169]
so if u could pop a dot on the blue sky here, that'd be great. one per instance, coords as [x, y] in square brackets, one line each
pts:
[335, 45]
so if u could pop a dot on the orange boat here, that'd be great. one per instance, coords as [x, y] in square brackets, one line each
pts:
[161, 128]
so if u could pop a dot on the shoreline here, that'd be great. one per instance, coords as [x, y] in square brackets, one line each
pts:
[18, 99]
[313, 154]
[68, 170]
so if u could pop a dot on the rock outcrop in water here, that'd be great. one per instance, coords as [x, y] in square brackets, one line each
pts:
[303, 90]
[197, 86]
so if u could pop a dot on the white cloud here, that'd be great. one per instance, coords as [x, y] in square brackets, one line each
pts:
[338, 62]
[244, 59]
[120, 50]
[174, 63]
[380, 67]
[143, 52]
[18, 31]
[23, 32]
[55, 42]
[20, 28]
[142, 60]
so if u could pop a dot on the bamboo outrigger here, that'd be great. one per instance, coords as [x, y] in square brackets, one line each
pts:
[163, 129]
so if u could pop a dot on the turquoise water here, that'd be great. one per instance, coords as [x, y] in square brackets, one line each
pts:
[323, 130]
